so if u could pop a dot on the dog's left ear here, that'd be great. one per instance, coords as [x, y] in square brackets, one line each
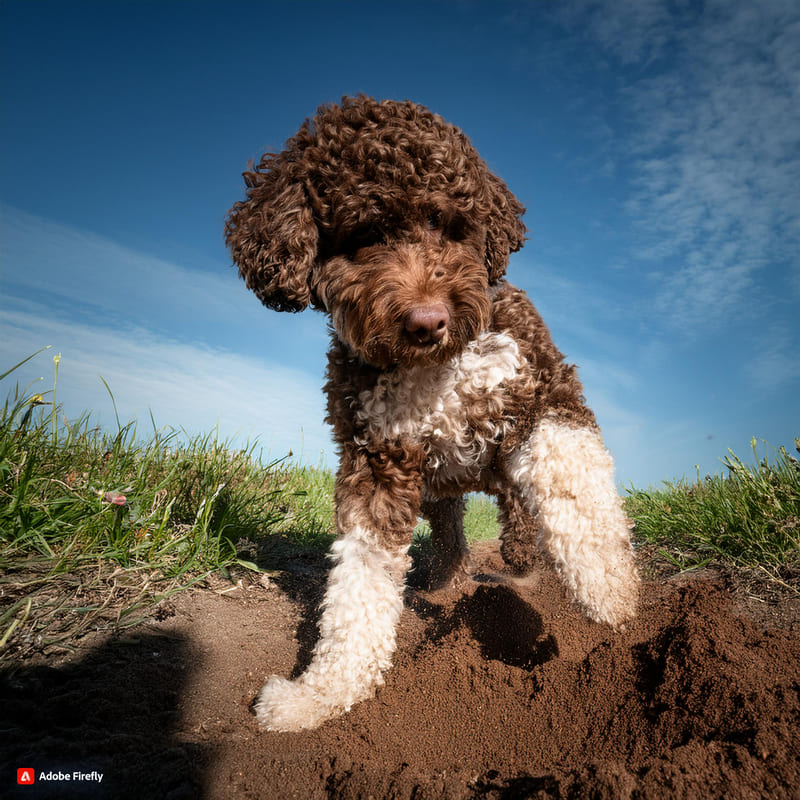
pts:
[272, 235]
[506, 230]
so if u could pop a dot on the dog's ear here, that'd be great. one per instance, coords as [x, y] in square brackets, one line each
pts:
[272, 235]
[506, 230]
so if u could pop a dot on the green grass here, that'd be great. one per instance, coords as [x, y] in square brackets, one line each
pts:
[748, 517]
[97, 527]
[480, 520]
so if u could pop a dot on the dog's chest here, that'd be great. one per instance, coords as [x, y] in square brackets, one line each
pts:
[455, 411]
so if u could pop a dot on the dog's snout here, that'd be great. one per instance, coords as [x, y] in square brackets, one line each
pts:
[427, 324]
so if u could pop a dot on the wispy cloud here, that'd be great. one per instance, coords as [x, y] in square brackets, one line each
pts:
[581, 311]
[774, 363]
[707, 124]
[46, 257]
[716, 147]
[97, 279]
[632, 30]
[194, 348]
[183, 385]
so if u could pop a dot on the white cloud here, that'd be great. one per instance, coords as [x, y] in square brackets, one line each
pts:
[184, 386]
[717, 151]
[45, 256]
[709, 127]
[194, 347]
[102, 281]
[633, 30]
[775, 362]
[581, 313]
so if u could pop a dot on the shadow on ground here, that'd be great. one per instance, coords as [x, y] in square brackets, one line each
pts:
[114, 712]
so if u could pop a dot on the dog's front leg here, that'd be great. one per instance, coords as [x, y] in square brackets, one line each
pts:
[567, 478]
[378, 501]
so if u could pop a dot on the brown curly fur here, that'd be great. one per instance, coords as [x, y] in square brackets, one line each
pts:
[372, 210]
[359, 172]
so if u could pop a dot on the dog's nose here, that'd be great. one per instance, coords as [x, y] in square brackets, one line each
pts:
[427, 324]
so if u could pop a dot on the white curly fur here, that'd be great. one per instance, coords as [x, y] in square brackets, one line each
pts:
[364, 597]
[567, 478]
[429, 404]
[565, 474]
[362, 605]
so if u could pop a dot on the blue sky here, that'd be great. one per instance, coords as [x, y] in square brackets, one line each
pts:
[656, 146]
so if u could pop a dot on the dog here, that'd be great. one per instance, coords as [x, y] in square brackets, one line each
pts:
[442, 379]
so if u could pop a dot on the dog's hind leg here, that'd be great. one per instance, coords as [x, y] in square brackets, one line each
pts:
[362, 604]
[519, 532]
[567, 478]
[450, 558]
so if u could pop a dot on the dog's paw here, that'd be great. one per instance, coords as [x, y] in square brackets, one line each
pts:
[284, 705]
[453, 575]
[612, 598]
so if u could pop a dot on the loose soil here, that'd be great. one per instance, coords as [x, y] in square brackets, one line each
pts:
[500, 689]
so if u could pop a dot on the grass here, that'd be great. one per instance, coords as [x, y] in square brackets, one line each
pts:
[98, 527]
[315, 485]
[748, 518]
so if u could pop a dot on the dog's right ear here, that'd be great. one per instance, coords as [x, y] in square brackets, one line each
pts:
[272, 235]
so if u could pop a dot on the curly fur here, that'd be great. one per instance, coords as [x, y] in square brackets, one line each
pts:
[356, 172]
[362, 605]
[442, 379]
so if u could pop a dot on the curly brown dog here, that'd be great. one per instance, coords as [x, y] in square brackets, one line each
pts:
[442, 379]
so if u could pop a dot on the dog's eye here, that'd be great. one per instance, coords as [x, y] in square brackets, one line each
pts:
[362, 237]
[457, 228]
[454, 226]
[434, 220]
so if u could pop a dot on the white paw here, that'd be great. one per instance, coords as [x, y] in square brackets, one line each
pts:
[612, 597]
[284, 705]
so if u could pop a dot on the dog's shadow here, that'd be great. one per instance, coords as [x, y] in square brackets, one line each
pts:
[505, 626]
[301, 573]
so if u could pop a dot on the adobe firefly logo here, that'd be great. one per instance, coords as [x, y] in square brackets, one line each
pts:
[26, 776]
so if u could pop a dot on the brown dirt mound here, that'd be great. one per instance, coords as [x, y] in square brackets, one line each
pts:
[500, 691]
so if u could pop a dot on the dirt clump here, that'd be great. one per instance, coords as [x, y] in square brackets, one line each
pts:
[499, 690]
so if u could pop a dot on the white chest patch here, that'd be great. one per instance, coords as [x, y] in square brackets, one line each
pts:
[431, 405]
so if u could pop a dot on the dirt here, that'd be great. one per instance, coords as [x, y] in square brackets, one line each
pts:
[498, 690]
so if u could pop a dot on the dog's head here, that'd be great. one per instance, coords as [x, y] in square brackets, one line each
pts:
[385, 216]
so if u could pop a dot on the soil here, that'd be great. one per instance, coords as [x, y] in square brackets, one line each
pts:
[500, 689]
